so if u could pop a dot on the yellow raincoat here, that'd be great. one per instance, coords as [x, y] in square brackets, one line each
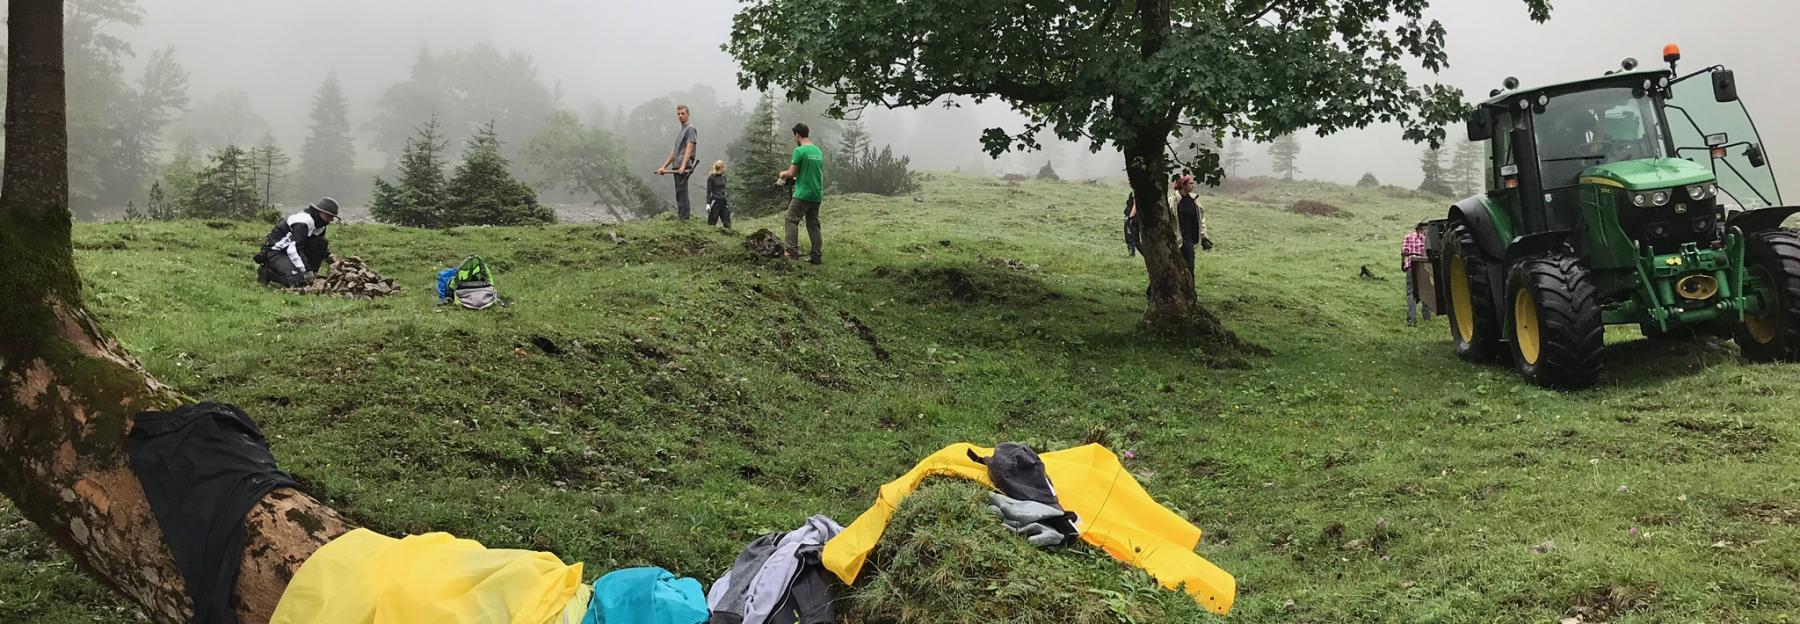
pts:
[1117, 516]
[364, 577]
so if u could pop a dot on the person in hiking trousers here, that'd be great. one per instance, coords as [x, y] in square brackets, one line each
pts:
[682, 160]
[296, 249]
[807, 170]
[717, 209]
[1412, 250]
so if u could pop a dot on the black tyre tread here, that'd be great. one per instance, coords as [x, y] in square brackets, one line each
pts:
[1780, 250]
[1486, 346]
[1569, 321]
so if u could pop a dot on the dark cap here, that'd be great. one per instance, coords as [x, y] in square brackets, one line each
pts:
[326, 205]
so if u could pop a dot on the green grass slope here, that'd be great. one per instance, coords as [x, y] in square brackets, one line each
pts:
[664, 400]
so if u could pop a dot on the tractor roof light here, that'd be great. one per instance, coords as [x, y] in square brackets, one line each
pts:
[1629, 64]
[1671, 53]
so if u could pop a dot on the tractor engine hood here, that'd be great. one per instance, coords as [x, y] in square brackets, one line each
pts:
[1648, 174]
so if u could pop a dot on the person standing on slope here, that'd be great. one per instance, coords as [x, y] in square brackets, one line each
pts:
[807, 170]
[682, 160]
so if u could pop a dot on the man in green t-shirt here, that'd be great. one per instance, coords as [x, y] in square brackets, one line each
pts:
[807, 170]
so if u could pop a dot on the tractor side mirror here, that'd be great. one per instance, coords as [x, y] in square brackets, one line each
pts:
[1755, 154]
[1724, 86]
[1480, 124]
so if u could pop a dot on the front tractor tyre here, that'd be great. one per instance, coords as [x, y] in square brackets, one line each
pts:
[1474, 319]
[1557, 333]
[1773, 259]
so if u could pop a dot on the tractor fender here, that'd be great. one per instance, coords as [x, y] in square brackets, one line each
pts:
[1761, 219]
[1533, 244]
[1474, 212]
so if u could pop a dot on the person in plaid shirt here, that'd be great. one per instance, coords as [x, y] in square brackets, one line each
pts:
[1413, 250]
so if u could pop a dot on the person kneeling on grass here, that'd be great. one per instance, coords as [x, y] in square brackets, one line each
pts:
[296, 249]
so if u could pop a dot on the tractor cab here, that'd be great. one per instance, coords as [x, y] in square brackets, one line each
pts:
[1641, 197]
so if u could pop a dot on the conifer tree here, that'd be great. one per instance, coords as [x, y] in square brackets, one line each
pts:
[483, 192]
[759, 153]
[1431, 164]
[416, 198]
[227, 188]
[270, 166]
[1286, 153]
[328, 159]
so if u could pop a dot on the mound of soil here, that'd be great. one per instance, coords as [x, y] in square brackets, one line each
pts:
[1317, 209]
[764, 243]
[352, 277]
[1008, 263]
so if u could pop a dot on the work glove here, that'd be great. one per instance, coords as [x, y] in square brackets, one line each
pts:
[1206, 244]
[309, 276]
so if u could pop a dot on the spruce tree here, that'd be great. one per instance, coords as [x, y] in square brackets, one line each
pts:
[1234, 156]
[227, 188]
[1467, 173]
[328, 159]
[416, 198]
[1431, 164]
[1368, 181]
[1285, 151]
[1048, 173]
[270, 165]
[485, 193]
[758, 154]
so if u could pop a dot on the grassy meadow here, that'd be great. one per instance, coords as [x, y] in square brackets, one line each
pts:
[663, 400]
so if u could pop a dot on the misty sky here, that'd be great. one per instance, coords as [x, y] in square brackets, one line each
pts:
[627, 51]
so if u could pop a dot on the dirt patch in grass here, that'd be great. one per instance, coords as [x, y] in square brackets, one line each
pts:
[1603, 603]
[867, 335]
[1728, 436]
[1318, 209]
[965, 284]
[1769, 512]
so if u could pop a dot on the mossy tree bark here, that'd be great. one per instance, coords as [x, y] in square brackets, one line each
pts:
[68, 390]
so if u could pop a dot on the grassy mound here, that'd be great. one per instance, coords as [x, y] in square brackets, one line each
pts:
[945, 559]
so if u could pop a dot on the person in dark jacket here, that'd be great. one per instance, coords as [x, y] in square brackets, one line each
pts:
[717, 208]
[295, 251]
[1191, 219]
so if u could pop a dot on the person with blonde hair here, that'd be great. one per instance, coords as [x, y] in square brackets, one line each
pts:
[717, 209]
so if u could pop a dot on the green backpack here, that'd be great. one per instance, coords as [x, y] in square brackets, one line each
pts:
[470, 285]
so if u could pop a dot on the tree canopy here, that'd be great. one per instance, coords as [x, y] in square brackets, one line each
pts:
[1078, 68]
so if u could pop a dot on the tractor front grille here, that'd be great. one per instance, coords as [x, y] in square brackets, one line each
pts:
[1667, 228]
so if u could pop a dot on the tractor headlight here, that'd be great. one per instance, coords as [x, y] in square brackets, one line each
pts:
[1650, 198]
[1700, 192]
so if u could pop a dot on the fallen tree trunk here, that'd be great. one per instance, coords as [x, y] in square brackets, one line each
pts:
[68, 391]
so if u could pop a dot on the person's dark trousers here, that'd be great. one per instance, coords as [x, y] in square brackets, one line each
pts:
[1187, 255]
[1132, 234]
[681, 195]
[809, 211]
[720, 212]
[278, 269]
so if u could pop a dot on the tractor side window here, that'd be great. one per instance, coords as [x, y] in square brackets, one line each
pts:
[1693, 114]
[1500, 152]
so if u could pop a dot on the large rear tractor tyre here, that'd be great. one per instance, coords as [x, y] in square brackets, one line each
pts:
[1773, 258]
[1557, 333]
[1474, 320]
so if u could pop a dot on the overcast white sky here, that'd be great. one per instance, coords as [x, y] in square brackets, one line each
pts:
[627, 51]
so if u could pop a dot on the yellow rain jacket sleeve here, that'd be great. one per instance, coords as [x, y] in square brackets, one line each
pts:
[364, 577]
[1117, 516]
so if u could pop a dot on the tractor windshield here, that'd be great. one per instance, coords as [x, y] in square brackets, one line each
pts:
[1694, 114]
[1586, 128]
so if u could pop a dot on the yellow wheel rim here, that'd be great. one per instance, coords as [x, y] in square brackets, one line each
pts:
[1525, 327]
[1462, 306]
[1763, 329]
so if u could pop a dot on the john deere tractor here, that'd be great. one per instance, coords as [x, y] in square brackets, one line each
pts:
[1640, 197]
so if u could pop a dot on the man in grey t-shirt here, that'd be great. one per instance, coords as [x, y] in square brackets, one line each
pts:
[682, 160]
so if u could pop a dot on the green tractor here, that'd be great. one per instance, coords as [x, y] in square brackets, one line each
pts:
[1641, 197]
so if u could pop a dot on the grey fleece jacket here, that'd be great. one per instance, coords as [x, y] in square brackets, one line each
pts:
[758, 582]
